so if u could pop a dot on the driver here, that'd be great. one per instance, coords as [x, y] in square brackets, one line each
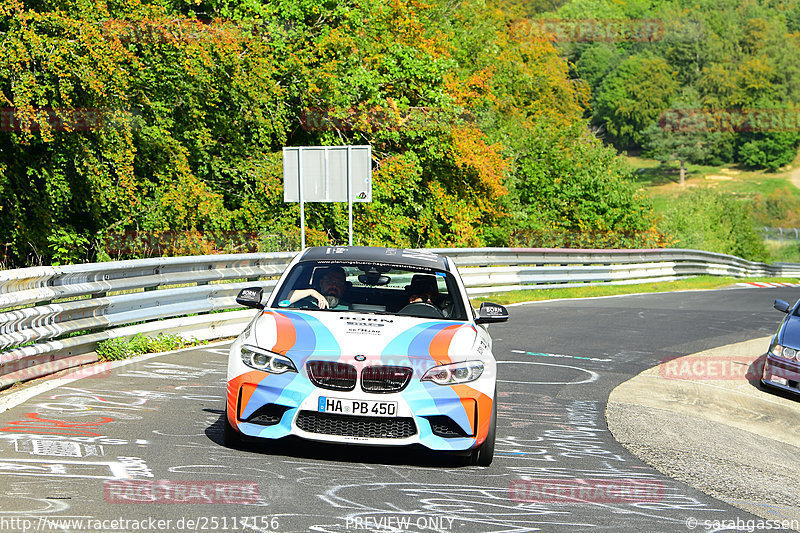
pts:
[329, 289]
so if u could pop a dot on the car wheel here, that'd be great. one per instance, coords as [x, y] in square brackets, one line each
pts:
[230, 437]
[483, 454]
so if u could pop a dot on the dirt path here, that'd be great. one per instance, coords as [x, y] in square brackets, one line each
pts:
[794, 177]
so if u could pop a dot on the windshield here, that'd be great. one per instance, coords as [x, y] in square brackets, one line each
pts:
[371, 288]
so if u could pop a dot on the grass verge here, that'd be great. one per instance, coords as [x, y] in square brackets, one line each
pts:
[124, 348]
[695, 283]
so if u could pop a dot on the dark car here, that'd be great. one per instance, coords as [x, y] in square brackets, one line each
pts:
[782, 365]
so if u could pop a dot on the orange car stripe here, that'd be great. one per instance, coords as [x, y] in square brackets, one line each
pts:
[233, 392]
[466, 393]
[287, 336]
[440, 345]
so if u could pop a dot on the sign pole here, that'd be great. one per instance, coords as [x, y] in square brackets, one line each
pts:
[349, 196]
[302, 207]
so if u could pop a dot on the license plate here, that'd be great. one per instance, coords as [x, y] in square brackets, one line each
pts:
[347, 406]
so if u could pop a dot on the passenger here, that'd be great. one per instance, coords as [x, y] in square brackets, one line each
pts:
[420, 298]
[423, 289]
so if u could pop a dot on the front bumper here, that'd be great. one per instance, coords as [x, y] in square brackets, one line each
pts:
[781, 374]
[446, 418]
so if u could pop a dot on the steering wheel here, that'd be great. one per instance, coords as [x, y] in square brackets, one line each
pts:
[422, 309]
[309, 302]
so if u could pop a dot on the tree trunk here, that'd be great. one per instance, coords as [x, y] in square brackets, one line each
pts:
[683, 173]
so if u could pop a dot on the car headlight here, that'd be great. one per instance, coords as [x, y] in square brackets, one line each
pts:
[266, 361]
[783, 351]
[454, 373]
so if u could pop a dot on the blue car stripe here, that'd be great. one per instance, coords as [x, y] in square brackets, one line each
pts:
[310, 334]
[415, 343]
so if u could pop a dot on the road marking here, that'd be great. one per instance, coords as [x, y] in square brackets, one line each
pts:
[593, 376]
[539, 354]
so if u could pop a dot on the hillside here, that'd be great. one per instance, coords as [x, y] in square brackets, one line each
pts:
[146, 129]
[768, 201]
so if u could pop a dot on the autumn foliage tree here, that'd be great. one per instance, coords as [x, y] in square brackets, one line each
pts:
[133, 129]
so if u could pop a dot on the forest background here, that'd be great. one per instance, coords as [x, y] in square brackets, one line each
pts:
[139, 128]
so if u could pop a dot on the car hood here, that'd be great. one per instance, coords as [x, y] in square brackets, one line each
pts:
[790, 333]
[389, 339]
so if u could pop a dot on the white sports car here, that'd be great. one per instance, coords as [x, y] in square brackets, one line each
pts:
[375, 346]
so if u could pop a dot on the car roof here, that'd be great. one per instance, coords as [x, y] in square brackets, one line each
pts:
[374, 254]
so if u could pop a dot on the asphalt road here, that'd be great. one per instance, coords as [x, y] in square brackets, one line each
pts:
[153, 429]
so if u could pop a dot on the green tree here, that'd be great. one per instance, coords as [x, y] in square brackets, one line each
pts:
[732, 56]
[682, 134]
[633, 96]
[595, 62]
[573, 191]
[770, 150]
[198, 98]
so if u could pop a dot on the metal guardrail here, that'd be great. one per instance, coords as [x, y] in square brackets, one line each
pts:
[780, 235]
[52, 318]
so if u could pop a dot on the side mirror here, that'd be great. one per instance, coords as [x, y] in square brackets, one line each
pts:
[250, 297]
[782, 306]
[489, 313]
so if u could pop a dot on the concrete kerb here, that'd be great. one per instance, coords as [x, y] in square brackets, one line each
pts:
[12, 398]
[723, 436]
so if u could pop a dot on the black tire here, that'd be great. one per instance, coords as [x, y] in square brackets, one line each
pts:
[483, 454]
[230, 437]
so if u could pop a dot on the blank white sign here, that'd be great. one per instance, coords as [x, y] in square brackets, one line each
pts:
[324, 173]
